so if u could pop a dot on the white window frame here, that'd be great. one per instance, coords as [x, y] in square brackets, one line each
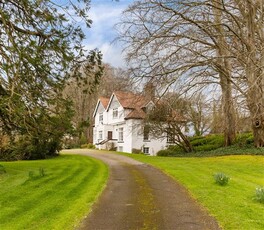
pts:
[146, 150]
[100, 135]
[101, 117]
[121, 134]
[170, 139]
[115, 113]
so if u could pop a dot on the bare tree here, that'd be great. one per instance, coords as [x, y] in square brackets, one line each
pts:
[200, 43]
[179, 42]
[199, 114]
[165, 121]
[195, 109]
[114, 79]
[85, 93]
[249, 35]
[242, 23]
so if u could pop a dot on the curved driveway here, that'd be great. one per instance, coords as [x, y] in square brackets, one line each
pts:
[138, 196]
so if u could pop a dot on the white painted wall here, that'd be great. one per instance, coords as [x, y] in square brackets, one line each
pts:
[115, 105]
[154, 145]
[132, 130]
[100, 109]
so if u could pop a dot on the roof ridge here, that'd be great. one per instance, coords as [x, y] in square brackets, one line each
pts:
[104, 101]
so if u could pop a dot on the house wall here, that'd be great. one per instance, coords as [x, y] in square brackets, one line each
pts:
[128, 136]
[155, 145]
[139, 143]
[100, 110]
[101, 126]
[98, 126]
[132, 131]
[115, 105]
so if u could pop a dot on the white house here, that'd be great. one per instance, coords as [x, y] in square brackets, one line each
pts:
[119, 124]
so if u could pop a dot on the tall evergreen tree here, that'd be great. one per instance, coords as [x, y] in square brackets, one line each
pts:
[40, 42]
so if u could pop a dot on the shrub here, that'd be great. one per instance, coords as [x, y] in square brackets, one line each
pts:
[4, 151]
[33, 148]
[91, 146]
[32, 175]
[175, 148]
[136, 151]
[260, 195]
[207, 143]
[41, 138]
[197, 141]
[72, 146]
[207, 147]
[250, 140]
[2, 169]
[83, 139]
[221, 179]
[41, 172]
[111, 146]
[165, 153]
[244, 139]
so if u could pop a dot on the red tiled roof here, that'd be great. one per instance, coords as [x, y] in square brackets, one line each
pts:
[104, 101]
[131, 100]
[136, 114]
[136, 102]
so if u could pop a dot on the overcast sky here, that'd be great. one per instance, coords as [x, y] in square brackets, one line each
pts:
[105, 13]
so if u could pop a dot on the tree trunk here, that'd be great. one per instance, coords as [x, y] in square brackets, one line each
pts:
[255, 100]
[228, 111]
[258, 133]
[185, 143]
[223, 67]
[255, 74]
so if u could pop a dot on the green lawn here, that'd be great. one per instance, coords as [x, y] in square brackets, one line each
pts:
[57, 200]
[233, 205]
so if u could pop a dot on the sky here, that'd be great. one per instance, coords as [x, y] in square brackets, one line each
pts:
[105, 14]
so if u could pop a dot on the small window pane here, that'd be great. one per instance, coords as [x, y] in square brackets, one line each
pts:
[146, 150]
[115, 113]
[101, 117]
[121, 134]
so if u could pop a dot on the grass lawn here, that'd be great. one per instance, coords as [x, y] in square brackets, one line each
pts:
[59, 199]
[233, 205]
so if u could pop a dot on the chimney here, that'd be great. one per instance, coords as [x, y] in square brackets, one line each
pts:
[149, 91]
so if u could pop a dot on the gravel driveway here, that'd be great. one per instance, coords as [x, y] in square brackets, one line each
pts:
[138, 196]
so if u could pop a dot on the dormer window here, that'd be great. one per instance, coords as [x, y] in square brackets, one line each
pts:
[115, 113]
[101, 117]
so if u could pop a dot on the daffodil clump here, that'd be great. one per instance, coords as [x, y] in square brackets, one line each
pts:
[260, 194]
[221, 179]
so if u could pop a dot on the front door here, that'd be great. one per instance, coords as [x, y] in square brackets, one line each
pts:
[109, 135]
